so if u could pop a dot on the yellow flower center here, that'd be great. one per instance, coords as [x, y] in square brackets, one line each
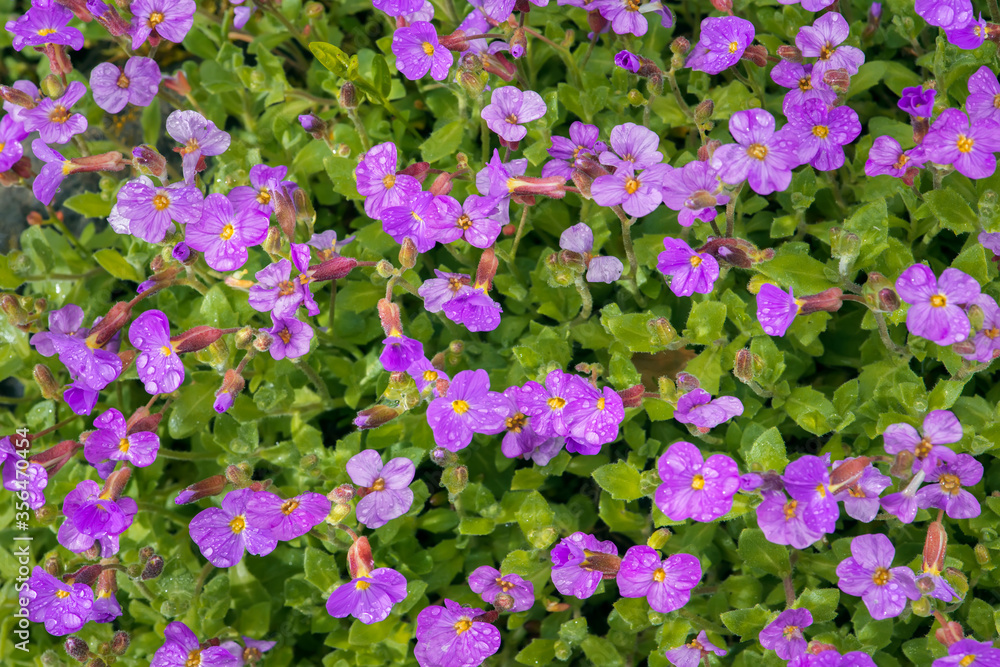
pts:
[556, 402]
[805, 84]
[45, 32]
[166, 350]
[264, 196]
[821, 490]
[939, 301]
[286, 287]
[991, 333]
[379, 485]
[881, 576]
[289, 506]
[62, 595]
[516, 423]
[856, 492]
[428, 48]
[361, 585]
[698, 482]
[122, 81]
[238, 524]
[67, 167]
[789, 509]
[155, 19]
[460, 407]
[190, 147]
[964, 143]
[285, 335]
[464, 222]
[821, 131]
[504, 585]
[512, 119]
[632, 184]
[695, 261]
[790, 631]
[462, 625]
[923, 448]
[600, 403]
[967, 660]
[123, 445]
[430, 376]
[194, 658]
[388, 180]
[227, 232]
[59, 114]
[659, 574]
[757, 151]
[996, 101]
[631, 5]
[161, 201]
[901, 162]
[827, 51]
[950, 484]
[734, 47]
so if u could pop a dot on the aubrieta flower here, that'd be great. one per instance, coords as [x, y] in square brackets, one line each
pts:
[150, 209]
[167, 19]
[697, 407]
[379, 183]
[692, 653]
[547, 405]
[575, 570]
[903, 504]
[947, 14]
[418, 52]
[940, 428]
[398, 7]
[252, 649]
[158, 364]
[291, 338]
[984, 90]
[594, 417]
[44, 23]
[52, 118]
[627, 61]
[200, 137]
[66, 321]
[436, 292]
[181, 648]
[93, 367]
[786, 521]
[638, 193]
[450, 636]
[784, 634]
[583, 142]
[722, 43]
[106, 606]
[666, 584]
[264, 182]
[822, 133]
[823, 41]
[385, 489]
[970, 36]
[520, 438]
[224, 533]
[917, 101]
[625, 16]
[689, 271]
[287, 519]
[694, 191]
[776, 310]
[969, 147]
[224, 234]
[948, 493]
[632, 146]
[693, 487]
[112, 441]
[12, 133]
[807, 480]
[488, 582]
[970, 653]
[56, 167]
[63, 608]
[869, 574]
[369, 597]
[509, 109]
[474, 309]
[469, 407]
[494, 181]
[275, 291]
[425, 375]
[92, 516]
[987, 338]
[28, 483]
[417, 219]
[600, 269]
[761, 156]
[936, 311]
[861, 500]
[137, 83]
[399, 352]
[475, 220]
[802, 85]
[888, 157]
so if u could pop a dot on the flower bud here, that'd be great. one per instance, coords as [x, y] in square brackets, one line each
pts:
[232, 385]
[272, 242]
[455, 479]
[197, 338]
[389, 315]
[828, 301]
[147, 161]
[284, 211]
[108, 17]
[843, 244]
[687, 382]
[145, 553]
[935, 546]
[408, 254]
[262, 341]
[211, 486]
[705, 152]
[52, 86]
[902, 465]
[679, 46]
[487, 269]
[443, 457]
[503, 602]
[153, 568]
[662, 331]
[659, 538]
[964, 347]
[243, 338]
[77, 649]
[333, 268]
[52, 566]
[790, 53]
[703, 111]
[133, 571]
[17, 97]
[847, 474]
[359, 558]
[110, 324]
[596, 21]
[115, 484]
[632, 396]
[341, 495]
[87, 574]
[635, 98]
[949, 633]
[11, 307]
[376, 416]
[348, 96]
[724, 6]
[55, 457]
[756, 54]
[983, 557]
[838, 80]
[120, 642]
[239, 475]
[46, 382]
[314, 125]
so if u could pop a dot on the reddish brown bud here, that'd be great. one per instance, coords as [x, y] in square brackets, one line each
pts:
[456, 41]
[107, 581]
[115, 484]
[120, 642]
[724, 6]
[211, 486]
[110, 324]
[359, 558]
[109, 17]
[52, 566]
[284, 211]
[744, 365]
[487, 269]
[341, 495]
[790, 53]
[756, 54]
[348, 96]
[441, 185]
[77, 649]
[838, 79]
[197, 338]
[503, 602]
[705, 152]
[888, 300]
[935, 546]
[949, 633]
[530, 186]
[46, 382]
[333, 268]
[596, 21]
[680, 46]
[148, 161]
[87, 574]
[828, 301]
[847, 474]
[178, 83]
[153, 568]
[417, 170]
[606, 564]
[110, 161]
[147, 423]
[18, 97]
[964, 347]
[262, 341]
[702, 113]
[55, 457]
[376, 416]
[632, 397]
[314, 125]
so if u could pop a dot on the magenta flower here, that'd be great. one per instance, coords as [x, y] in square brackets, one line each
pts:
[695, 488]
[436, 292]
[665, 584]
[624, 16]
[969, 653]
[941, 427]
[181, 648]
[199, 136]
[158, 365]
[450, 636]
[903, 504]
[776, 310]
[385, 490]
[469, 407]
[986, 339]
[823, 41]
[398, 7]
[637, 193]
[224, 234]
[948, 494]
[287, 519]
[169, 19]
[984, 90]
[802, 85]
[548, 405]
[627, 61]
[970, 36]
[418, 52]
[368, 598]
[869, 574]
[697, 407]
[150, 209]
[935, 311]
[807, 480]
[63, 608]
[594, 416]
[224, 534]
[917, 101]
[784, 634]
[575, 566]
[95, 368]
[474, 309]
[632, 146]
[786, 521]
[761, 156]
[692, 654]
[476, 220]
[580, 239]
[291, 338]
[722, 43]
[689, 271]
[861, 500]
[12, 133]
[67, 321]
[969, 147]
[947, 14]
[276, 292]
[379, 183]
[583, 143]
[264, 182]
[417, 219]
[90, 518]
[509, 109]
[46, 184]
[489, 583]
[136, 84]
[425, 375]
[112, 441]
[400, 352]
[888, 157]
[821, 134]
[53, 119]
[44, 23]
[31, 481]
[693, 191]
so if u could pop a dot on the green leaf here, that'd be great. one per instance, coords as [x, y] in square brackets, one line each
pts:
[538, 652]
[747, 623]
[756, 551]
[381, 76]
[574, 631]
[443, 142]
[704, 325]
[632, 329]
[112, 262]
[89, 205]
[320, 569]
[600, 651]
[341, 173]
[331, 57]
[981, 618]
[619, 479]
[811, 410]
[944, 394]
[802, 273]
[951, 210]
[767, 452]
[821, 603]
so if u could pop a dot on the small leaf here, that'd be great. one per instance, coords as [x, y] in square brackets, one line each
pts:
[112, 262]
[952, 211]
[331, 57]
[444, 141]
[89, 205]
[381, 76]
[747, 623]
[756, 551]
[619, 479]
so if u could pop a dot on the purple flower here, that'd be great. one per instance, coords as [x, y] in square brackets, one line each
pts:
[253, 649]
[474, 309]
[548, 405]
[761, 156]
[823, 41]
[665, 584]
[137, 84]
[690, 655]
[29, 479]
[450, 636]
[785, 521]
[291, 338]
[968, 147]
[632, 146]
[807, 480]
[594, 416]
[697, 407]
[509, 109]
[476, 220]
[90, 517]
[694, 191]
[275, 291]
[385, 489]
[64, 608]
[903, 504]
[370, 597]
[158, 365]
[398, 7]
[982, 654]
[56, 167]
[436, 292]
[469, 407]
[628, 61]
[520, 438]
[784, 634]
[948, 494]
[112, 441]
[150, 209]
[327, 244]
[400, 352]
[52, 118]
[802, 85]
[947, 14]
[44, 23]
[67, 321]
[776, 310]
[199, 136]
[940, 428]
[583, 143]
[224, 234]
[379, 183]
[489, 583]
[637, 193]
[984, 91]
[223, 534]
[417, 52]
[861, 500]
[917, 102]
[821, 134]
[888, 157]
[986, 339]
[722, 43]
[623, 15]
[689, 271]
[417, 219]
[935, 585]
[869, 574]
[580, 239]
[694, 488]
[575, 564]
[935, 311]
[264, 182]
[287, 519]
[181, 648]
[425, 375]
[95, 368]
[169, 19]
[12, 133]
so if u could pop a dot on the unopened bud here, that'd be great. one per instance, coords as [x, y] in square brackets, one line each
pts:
[57, 456]
[87, 574]
[239, 475]
[976, 317]
[153, 568]
[284, 211]
[46, 382]
[333, 268]
[635, 98]
[376, 416]
[923, 607]
[341, 495]
[197, 338]
[385, 268]
[744, 366]
[659, 538]
[108, 17]
[77, 649]
[304, 211]
[983, 556]
[115, 484]
[828, 301]
[662, 331]
[52, 566]
[408, 254]
[838, 80]
[687, 382]
[243, 338]
[52, 86]
[120, 642]
[145, 553]
[518, 42]
[790, 53]
[262, 341]
[348, 97]
[487, 269]
[949, 633]
[503, 602]
[11, 307]
[232, 385]
[314, 125]
[724, 6]
[359, 558]
[705, 152]
[680, 46]
[848, 473]
[105, 330]
[18, 97]
[632, 397]
[147, 161]
[756, 54]
[965, 347]
[272, 242]
[902, 465]
[211, 486]
[703, 111]
[844, 244]
[443, 457]
[935, 546]
[455, 479]
[596, 21]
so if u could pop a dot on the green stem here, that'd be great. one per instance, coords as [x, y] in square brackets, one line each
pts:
[520, 231]
[731, 211]
[283, 20]
[360, 129]
[202, 577]
[672, 80]
[324, 392]
[69, 235]
[588, 301]
[883, 332]
[633, 265]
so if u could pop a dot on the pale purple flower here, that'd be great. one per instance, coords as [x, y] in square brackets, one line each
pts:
[573, 573]
[823, 41]
[666, 584]
[627, 61]
[903, 504]
[802, 85]
[136, 84]
[169, 19]
[861, 500]
[287, 519]
[940, 428]
[638, 193]
[385, 490]
[417, 219]
[939, 587]
[224, 533]
[52, 118]
[264, 182]
[224, 234]
[969, 147]
[379, 183]
[450, 636]
[888, 157]
[692, 653]
[67, 321]
[425, 375]
[436, 292]
[158, 365]
[469, 407]
[583, 143]
[580, 239]
[44, 23]
[474, 309]
[632, 146]
[917, 101]
[291, 337]
[12, 133]
[327, 244]
[509, 109]
[970, 653]
[697, 407]
[948, 493]
[936, 311]
[93, 367]
[489, 583]
[822, 133]
[776, 310]
[784, 634]
[111, 441]
[46, 184]
[368, 598]
[398, 7]
[786, 521]
[150, 209]
[199, 136]
[695, 488]
[594, 416]
[986, 339]
[548, 405]
[181, 648]
[689, 271]
[92, 518]
[947, 14]
[418, 52]
[761, 156]
[476, 220]
[399, 352]
[63, 608]
[694, 191]
[807, 480]
[253, 648]
[869, 574]
[722, 43]
[983, 101]
[520, 438]
[275, 291]
[624, 16]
